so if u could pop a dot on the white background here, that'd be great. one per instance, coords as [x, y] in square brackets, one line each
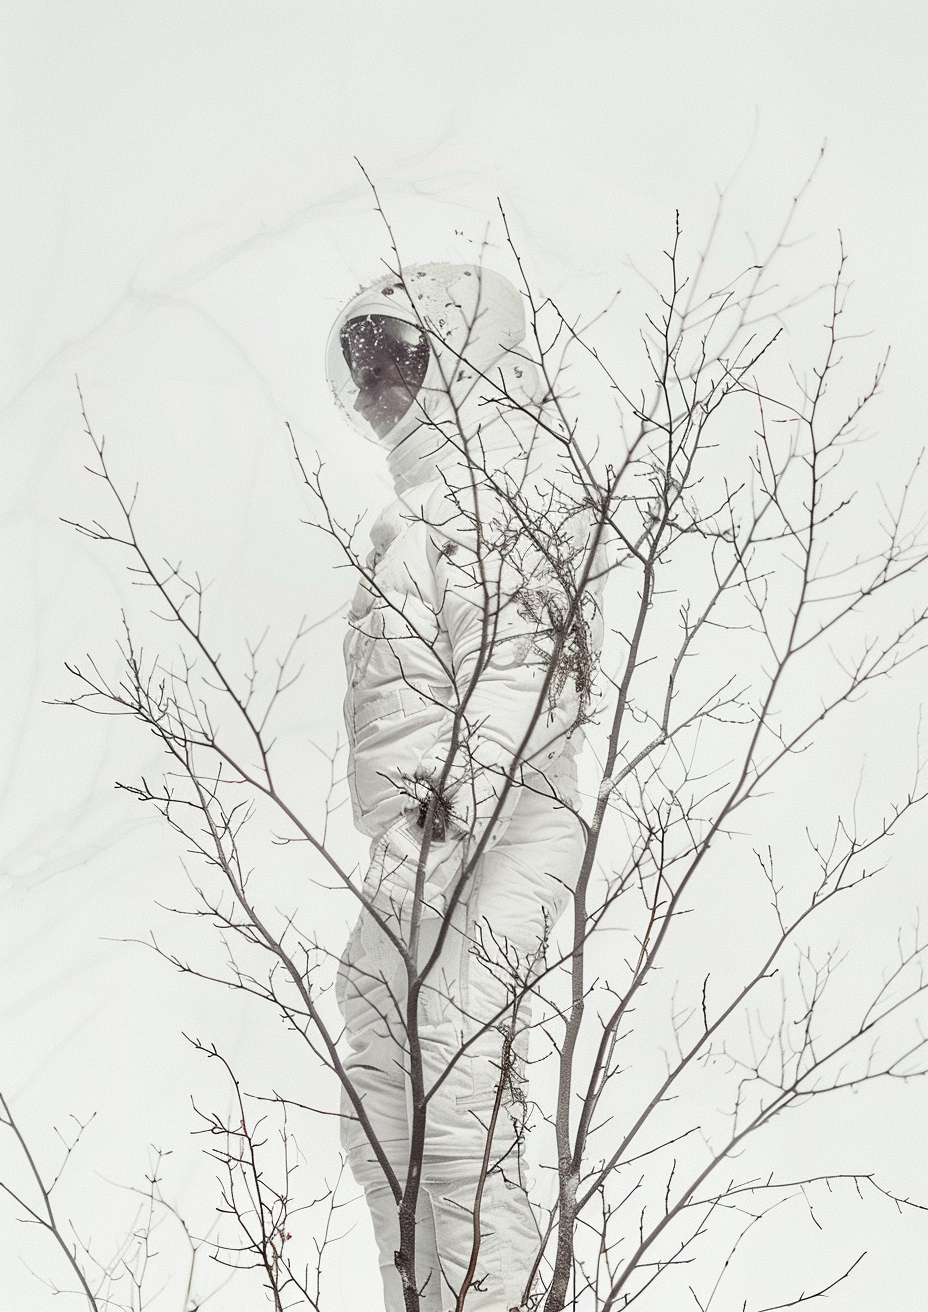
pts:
[183, 217]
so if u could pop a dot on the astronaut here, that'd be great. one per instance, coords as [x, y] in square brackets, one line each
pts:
[472, 639]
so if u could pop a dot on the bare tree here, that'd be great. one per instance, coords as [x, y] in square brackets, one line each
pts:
[691, 549]
[126, 1279]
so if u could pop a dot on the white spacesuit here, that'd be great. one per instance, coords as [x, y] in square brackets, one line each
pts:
[469, 657]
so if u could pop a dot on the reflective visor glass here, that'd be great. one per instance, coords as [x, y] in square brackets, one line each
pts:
[375, 368]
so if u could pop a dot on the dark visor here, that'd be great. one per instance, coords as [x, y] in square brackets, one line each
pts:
[371, 337]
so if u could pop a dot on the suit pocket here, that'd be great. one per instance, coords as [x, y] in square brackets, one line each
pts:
[380, 707]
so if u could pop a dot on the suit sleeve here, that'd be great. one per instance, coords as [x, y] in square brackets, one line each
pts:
[506, 588]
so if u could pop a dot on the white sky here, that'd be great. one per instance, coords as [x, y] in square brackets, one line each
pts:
[183, 215]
